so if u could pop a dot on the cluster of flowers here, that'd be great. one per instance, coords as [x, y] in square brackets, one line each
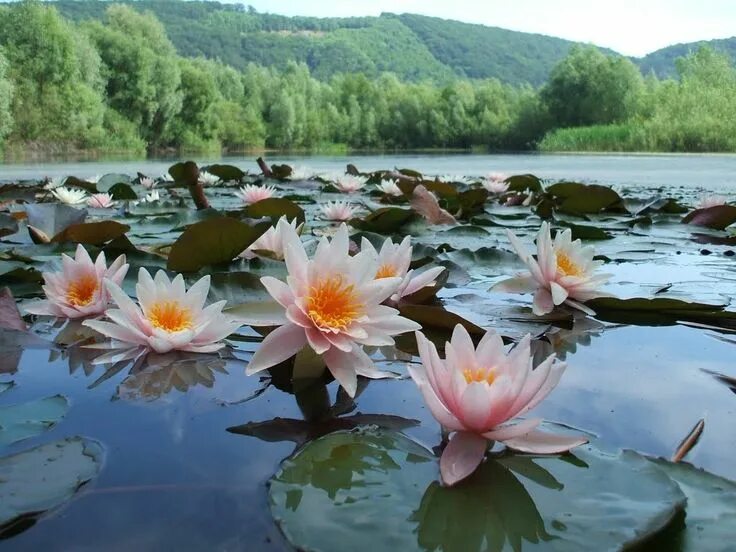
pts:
[337, 304]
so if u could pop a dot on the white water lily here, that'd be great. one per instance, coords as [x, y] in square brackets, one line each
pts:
[167, 317]
[100, 201]
[389, 187]
[333, 304]
[93, 179]
[70, 196]
[463, 179]
[350, 184]
[495, 186]
[338, 211]
[53, 183]
[272, 240]
[394, 260]
[563, 272]
[208, 179]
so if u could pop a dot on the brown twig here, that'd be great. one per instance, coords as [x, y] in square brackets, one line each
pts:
[265, 169]
[689, 442]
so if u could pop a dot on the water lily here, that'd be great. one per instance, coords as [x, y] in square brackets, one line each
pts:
[475, 392]
[463, 179]
[168, 177]
[149, 183]
[272, 240]
[339, 211]
[350, 184]
[563, 272]
[250, 193]
[497, 177]
[70, 196]
[208, 179]
[394, 260]
[389, 187]
[167, 317]
[495, 186]
[301, 173]
[152, 196]
[77, 290]
[93, 179]
[53, 183]
[710, 201]
[332, 303]
[100, 201]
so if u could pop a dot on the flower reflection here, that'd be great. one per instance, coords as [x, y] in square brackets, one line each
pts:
[491, 511]
[159, 374]
[563, 341]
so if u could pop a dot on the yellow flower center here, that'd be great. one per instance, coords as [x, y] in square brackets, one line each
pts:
[333, 304]
[81, 292]
[170, 316]
[479, 375]
[386, 271]
[566, 266]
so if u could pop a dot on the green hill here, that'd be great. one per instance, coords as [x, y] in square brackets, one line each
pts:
[662, 62]
[413, 47]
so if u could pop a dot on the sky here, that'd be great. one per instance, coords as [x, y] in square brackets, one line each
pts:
[631, 27]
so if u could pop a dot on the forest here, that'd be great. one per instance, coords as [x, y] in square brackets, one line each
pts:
[118, 83]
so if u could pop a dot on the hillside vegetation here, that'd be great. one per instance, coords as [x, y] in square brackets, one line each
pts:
[115, 80]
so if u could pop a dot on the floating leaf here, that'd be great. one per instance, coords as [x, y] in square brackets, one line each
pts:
[8, 225]
[660, 311]
[280, 172]
[24, 420]
[378, 490]
[577, 199]
[523, 183]
[42, 478]
[122, 192]
[186, 173]
[275, 208]
[384, 221]
[74, 182]
[226, 173]
[212, 241]
[717, 217]
[586, 232]
[10, 317]
[109, 181]
[93, 233]
[53, 218]
[433, 316]
[442, 189]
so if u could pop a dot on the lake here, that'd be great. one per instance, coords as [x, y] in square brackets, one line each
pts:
[189, 453]
[712, 172]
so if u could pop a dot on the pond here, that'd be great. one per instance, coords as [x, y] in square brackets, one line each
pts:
[185, 451]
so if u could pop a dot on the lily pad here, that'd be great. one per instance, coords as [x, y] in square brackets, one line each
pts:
[122, 192]
[524, 182]
[53, 218]
[378, 490]
[718, 216]
[93, 233]
[274, 208]
[710, 523]
[384, 221]
[577, 199]
[21, 421]
[42, 478]
[212, 241]
[226, 173]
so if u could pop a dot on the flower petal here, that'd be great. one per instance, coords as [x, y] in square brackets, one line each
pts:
[280, 344]
[543, 303]
[462, 456]
[540, 442]
[342, 366]
[502, 433]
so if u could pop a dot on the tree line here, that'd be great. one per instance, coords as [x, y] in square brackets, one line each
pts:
[119, 85]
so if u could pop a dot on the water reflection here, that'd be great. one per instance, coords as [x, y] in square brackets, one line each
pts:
[488, 511]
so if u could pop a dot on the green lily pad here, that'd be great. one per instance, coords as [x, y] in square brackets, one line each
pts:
[6, 385]
[226, 173]
[212, 241]
[42, 478]
[21, 421]
[274, 208]
[577, 199]
[122, 192]
[8, 225]
[94, 233]
[384, 221]
[109, 181]
[524, 182]
[718, 216]
[660, 311]
[53, 218]
[378, 490]
[710, 523]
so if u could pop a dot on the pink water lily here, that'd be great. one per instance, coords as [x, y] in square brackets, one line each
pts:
[250, 193]
[271, 241]
[350, 184]
[475, 392]
[333, 304]
[100, 201]
[495, 184]
[338, 211]
[167, 316]
[389, 187]
[394, 260]
[77, 290]
[563, 272]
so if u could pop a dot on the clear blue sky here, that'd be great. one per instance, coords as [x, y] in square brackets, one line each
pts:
[632, 27]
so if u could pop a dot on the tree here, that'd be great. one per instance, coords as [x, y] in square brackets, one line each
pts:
[6, 96]
[589, 87]
[142, 72]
